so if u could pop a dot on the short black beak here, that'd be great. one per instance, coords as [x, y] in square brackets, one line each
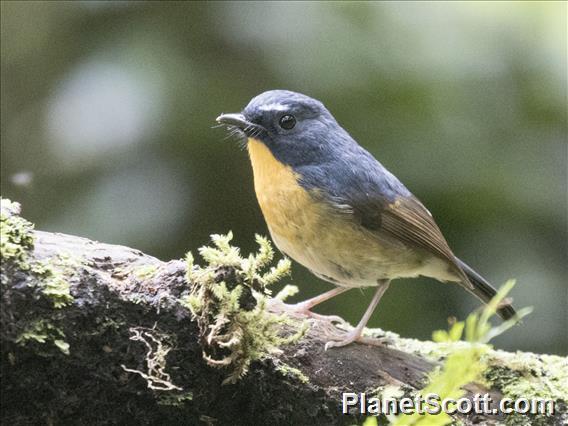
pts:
[237, 120]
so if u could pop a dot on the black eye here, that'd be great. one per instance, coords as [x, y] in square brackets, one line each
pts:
[287, 121]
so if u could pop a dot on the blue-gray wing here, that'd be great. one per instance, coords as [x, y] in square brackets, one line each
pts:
[382, 204]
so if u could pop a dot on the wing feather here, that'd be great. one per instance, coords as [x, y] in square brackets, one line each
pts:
[407, 220]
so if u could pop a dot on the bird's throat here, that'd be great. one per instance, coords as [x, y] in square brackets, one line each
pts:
[279, 194]
[269, 173]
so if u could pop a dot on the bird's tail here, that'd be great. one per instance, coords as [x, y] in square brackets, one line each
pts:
[485, 291]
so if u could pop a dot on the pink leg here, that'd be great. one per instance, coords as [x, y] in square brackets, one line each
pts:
[356, 333]
[306, 305]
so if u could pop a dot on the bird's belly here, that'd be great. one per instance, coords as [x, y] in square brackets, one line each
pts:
[339, 252]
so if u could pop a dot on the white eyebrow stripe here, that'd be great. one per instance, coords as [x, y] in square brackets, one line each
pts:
[273, 107]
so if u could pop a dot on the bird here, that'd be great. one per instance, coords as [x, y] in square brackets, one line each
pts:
[331, 206]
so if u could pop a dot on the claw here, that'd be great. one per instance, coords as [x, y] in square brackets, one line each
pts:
[300, 309]
[347, 338]
[355, 336]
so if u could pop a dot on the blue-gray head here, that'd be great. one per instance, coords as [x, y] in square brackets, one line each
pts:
[298, 130]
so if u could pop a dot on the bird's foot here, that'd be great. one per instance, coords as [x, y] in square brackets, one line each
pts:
[303, 310]
[343, 339]
[338, 339]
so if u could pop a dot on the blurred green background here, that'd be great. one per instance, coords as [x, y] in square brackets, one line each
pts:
[107, 111]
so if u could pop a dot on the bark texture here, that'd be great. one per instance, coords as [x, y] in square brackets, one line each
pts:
[121, 349]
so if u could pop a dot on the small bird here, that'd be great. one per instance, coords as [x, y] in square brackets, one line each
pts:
[332, 207]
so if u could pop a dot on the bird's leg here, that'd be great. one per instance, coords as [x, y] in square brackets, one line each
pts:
[357, 333]
[304, 308]
[306, 305]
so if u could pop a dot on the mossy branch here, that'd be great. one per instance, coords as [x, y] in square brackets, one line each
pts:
[99, 334]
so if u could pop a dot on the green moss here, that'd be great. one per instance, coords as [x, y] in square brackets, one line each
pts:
[145, 272]
[139, 272]
[174, 399]
[68, 262]
[16, 235]
[42, 331]
[289, 371]
[16, 243]
[532, 376]
[54, 285]
[228, 300]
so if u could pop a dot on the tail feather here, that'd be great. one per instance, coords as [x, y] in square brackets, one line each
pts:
[485, 291]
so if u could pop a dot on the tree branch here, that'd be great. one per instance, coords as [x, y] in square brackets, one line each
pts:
[95, 334]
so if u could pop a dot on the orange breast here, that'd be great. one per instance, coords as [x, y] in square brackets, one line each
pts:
[283, 201]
